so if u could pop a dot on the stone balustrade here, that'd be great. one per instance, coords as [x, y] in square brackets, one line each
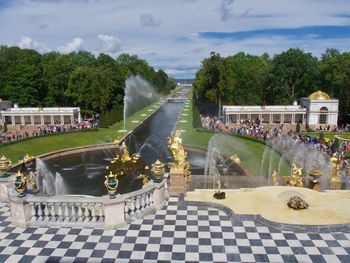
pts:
[66, 211]
[87, 211]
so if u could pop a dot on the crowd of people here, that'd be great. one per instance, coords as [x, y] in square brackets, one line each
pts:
[256, 129]
[33, 131]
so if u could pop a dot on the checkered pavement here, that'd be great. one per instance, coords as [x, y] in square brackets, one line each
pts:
[178, 233]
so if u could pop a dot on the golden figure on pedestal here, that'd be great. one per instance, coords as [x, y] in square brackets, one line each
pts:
[335, 183]
[274, 178]
[180, 164]
[296, 178]
[158, 170]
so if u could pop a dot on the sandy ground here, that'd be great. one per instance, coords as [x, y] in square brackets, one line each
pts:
[330, 207]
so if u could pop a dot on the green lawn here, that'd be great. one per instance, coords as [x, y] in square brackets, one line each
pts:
[250, 152]
[44, 144]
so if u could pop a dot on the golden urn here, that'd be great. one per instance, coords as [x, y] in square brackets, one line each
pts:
[158, 170]
[5, 164]
[111, 183]
[20, 184]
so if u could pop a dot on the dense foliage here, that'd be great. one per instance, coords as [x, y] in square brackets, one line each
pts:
[244, 79]
[96, 84]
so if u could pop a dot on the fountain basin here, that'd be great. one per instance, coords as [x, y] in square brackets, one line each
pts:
[329, 207]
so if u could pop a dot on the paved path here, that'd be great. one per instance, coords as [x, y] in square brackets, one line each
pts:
[178, 233]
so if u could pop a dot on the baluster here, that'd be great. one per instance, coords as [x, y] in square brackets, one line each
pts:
[151, 199]
[87, 213]
[137, 207]
[147, 202]
[33, 212]
[101, 216]
[93, 213]
[80, 213]
[40, 212]
[53, 212]
[143, 203]
[73, 219]
[66, 213]
[60, 212]
[126, 211]
[46, 212]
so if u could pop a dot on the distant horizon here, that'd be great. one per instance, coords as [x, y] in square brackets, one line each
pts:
[178, 35]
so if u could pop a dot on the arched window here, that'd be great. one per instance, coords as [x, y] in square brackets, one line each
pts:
[323, 115]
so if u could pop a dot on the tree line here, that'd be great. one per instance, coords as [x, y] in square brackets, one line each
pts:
[96, 84]
[244, 79]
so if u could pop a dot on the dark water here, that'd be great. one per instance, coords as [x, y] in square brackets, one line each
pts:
[84, 173]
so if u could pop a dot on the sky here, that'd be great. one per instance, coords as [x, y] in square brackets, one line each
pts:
[176, 35]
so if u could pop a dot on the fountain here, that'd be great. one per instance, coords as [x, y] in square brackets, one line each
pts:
[138, 94]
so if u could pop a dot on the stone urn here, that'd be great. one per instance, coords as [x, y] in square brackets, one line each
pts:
[5, 165]
[111, 183]
[158, 171]
[20, 184]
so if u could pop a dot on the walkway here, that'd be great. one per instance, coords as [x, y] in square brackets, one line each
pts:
[184, 232]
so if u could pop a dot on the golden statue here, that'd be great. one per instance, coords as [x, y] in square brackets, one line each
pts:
[158, 170]
[234, 158]
[296, 178]
[335, 183]
[144, 178]
[180, 164]
[27, 158]
[274, 178]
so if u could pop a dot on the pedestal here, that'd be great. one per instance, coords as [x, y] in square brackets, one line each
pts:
[177, 184]
[20, 212]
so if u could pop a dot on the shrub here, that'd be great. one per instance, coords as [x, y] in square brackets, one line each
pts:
[321, 137]
[297, 128]
[196, 118]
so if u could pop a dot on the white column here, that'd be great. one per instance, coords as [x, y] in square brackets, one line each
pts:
[13, 120]
[72, 118]
[270, 118]
[79, 117]
[62, 119]
[238, 118]
[260, 116]
[22, 120]
[303, 122]
[3, 120]
[282, 118]
[293, 118]
[32, 120]
[249, 116]
[52, 119]
[42, 120]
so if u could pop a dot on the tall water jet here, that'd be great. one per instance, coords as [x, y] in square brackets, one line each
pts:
[138, 94]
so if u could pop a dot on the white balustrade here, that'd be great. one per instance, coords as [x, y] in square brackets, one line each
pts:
[89, 211]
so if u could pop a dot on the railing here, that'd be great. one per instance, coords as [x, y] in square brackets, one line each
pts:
[87, 211]
[66, 211]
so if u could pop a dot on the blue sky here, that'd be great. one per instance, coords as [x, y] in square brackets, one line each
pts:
[176, 35]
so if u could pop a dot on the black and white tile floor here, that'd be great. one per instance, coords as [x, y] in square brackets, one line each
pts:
[177, 233]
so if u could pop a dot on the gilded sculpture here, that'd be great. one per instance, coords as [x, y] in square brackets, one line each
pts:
[296, 178]
[335, 183]
[180, 164]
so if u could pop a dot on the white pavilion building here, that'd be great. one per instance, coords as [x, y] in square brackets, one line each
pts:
[319, 109]
[39, 116]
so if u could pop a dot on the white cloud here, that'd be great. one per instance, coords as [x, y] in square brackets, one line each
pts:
[75, 45]
[109, 44]
[28, 42]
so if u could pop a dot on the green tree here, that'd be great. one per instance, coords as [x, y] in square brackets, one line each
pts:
[293, 75]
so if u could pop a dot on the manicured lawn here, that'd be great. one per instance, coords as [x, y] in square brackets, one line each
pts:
[44, 144]
[251, 153]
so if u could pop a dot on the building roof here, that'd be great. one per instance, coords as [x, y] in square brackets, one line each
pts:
[319, 95]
